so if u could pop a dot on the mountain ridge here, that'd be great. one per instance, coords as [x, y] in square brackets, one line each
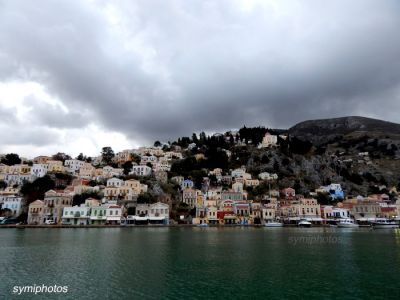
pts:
[343, 126]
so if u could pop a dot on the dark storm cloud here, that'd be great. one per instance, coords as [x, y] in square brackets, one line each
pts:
[160, 69]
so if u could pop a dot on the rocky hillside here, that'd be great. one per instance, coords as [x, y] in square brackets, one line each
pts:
[360, 153]
[324, 130]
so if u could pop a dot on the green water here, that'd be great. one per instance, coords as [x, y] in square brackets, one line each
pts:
[202, 263]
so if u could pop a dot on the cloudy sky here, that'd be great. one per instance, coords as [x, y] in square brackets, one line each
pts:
[79, 75]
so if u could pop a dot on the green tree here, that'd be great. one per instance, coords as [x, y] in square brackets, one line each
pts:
[61, 156]
[79, 199]
[127, 166]
[107, 155]
[36, 189]
[81, 157]
[11, 159]
[195, 139]
[146, 198]
[157, 144]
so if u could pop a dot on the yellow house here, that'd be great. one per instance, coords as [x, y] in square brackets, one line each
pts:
[87, 171]
[55, 166]
[35, 212]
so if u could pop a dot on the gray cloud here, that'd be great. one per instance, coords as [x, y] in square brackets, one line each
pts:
[169, 68]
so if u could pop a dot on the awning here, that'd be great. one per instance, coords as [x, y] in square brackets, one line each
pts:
[156, 218]
[137, 218]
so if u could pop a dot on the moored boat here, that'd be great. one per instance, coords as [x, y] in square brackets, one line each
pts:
[347, 223]
[385, 223]
[273, 224]
[304, 223]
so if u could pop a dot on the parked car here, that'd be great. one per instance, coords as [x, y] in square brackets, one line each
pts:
[9, 221]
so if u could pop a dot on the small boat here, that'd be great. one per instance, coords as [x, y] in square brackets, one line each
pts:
[347, 223]
[304, 223]
[202, 225]
[273, 224]
[384, 223]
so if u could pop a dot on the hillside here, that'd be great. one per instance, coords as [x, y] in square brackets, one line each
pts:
[323, 130]
[360, 153]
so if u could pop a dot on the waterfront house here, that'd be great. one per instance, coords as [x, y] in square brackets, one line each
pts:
[159, 213]
[255, 212]
[14, 204]
[268, 212]
[98, 215]
[330, 212]
[156, 213]
[35, 212]
[225, 213]
[242, 211]
[366, 210]
[113, 214]
[189, 196]
[54, 202]
[76, 215]
[308, 209]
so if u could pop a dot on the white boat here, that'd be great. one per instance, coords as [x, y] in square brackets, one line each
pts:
[347, 223]
[384, 223]
[202, 225]
[304, 223]
[273, 224]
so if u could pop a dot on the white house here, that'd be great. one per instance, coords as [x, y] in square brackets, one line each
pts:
[339, 213]
[268, 140]
[39, 170]
[113, 214]
[18, 179]
[115, 182]
[76, 215]
[73, 165]
[14, 204]
[159, 212]
[141, 171]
